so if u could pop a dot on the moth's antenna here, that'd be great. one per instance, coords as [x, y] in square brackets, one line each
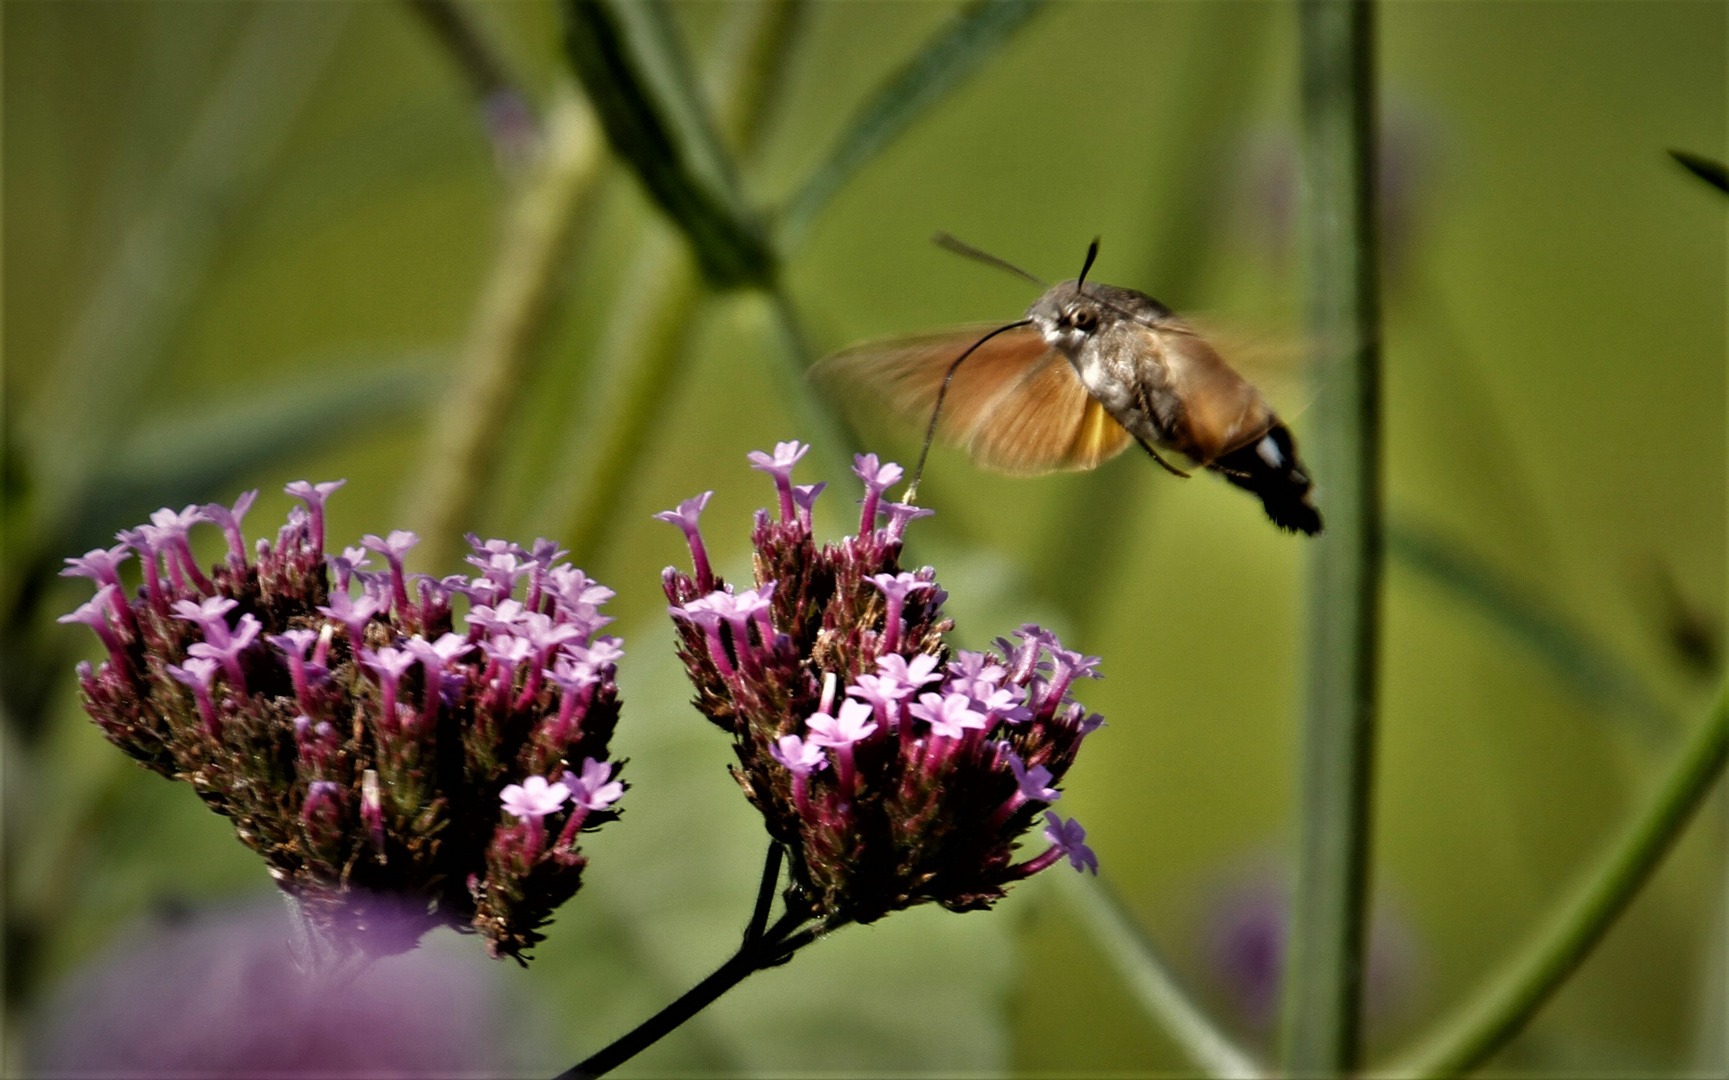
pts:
[1092, 253]
[962, 248]
[937, 410]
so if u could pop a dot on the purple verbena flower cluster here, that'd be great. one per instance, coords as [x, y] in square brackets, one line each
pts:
[361, 742]
[895, 771]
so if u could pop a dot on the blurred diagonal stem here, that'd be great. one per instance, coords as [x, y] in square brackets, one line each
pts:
[1492, 1017]
[481, 65]
[1593, 670]
[763, 946]
[1324, 965]
[1154, 985]
[973, 36]
[626, 54]
[467, 430]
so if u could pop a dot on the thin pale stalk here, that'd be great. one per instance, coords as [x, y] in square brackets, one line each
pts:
[468, 429]
[1154, 986]
[647, 334]
[1324, 962]
[1493, 1016]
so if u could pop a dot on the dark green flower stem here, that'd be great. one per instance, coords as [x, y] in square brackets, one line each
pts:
[763, 947]
[1324, 965]
[765, 892]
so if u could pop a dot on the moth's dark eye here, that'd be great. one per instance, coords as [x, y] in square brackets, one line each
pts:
[1085, 321]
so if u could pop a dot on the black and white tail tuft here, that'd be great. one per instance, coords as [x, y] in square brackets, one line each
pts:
[1269, 468]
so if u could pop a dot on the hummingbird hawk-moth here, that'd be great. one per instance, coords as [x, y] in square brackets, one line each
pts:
[1089, 369]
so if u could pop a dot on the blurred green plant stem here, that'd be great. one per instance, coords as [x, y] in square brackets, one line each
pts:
[1490, 1018]
[467, 429]
[1323, 968]
[1150, 979]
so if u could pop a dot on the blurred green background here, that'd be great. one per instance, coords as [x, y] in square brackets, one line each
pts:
[244, 244]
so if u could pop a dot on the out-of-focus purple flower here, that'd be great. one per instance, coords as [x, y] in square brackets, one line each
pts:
[236, 993]
[321, 813]
[294, 644]
[804, 499]
[102, 565]
[142, 544]
[800, 758]
[701, 614]
[227, 653]
[169, 534]
[209, 614]
[351, 561]
[389, 665]
[352, 614]
[895, 589]
[1244, 937]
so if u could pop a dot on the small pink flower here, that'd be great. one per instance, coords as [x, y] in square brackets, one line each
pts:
[533, 798]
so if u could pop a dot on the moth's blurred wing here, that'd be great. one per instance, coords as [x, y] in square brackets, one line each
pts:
[1045, 421]
[1016, 405]
[1221, 411]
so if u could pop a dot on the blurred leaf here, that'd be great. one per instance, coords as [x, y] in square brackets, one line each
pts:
[946, 61]
[191, 458]
[1712, 172]
[1151, 981]
[628, 58]
[1589, 667]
